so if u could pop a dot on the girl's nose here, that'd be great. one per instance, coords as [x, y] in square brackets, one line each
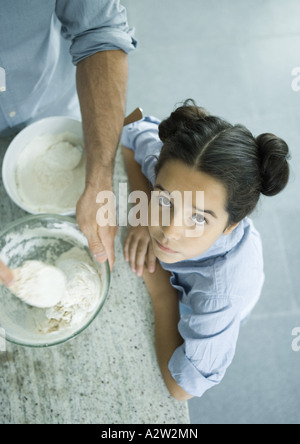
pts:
[171, 231]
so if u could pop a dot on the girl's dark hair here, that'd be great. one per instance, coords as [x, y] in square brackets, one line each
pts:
[245, 165]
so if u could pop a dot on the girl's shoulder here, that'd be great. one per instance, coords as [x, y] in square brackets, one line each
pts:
[137, 134]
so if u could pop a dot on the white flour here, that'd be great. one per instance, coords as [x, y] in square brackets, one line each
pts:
[80, 298]
[50, 173]
[82, 295]
[64, 248]
[38, 284]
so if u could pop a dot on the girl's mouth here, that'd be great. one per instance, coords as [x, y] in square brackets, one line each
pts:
[165, 249]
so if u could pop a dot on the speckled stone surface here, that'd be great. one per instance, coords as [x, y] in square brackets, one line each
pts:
[107, 375]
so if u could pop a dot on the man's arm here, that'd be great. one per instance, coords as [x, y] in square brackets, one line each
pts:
[101, 85]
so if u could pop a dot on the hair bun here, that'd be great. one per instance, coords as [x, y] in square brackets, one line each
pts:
[184, 118]
[274, 155]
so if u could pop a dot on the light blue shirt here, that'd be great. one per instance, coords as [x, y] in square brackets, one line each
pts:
[217, 290]
[39, 40]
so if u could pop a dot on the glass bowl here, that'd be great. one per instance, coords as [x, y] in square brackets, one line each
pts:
[43, 238]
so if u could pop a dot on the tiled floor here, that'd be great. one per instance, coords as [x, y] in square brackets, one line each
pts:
[235, 57]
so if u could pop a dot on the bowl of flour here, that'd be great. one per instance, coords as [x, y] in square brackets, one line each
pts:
[52, 241]
[44, 167]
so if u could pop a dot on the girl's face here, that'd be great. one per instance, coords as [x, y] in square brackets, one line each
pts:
[200, 227]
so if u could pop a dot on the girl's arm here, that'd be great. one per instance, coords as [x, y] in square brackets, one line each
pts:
[167, 337]
[138, 248]
[137, 180]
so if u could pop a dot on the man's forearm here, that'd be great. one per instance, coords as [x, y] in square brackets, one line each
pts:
[101, 86]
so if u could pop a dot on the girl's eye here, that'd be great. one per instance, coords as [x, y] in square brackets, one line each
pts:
[199, 219]
[164, 201]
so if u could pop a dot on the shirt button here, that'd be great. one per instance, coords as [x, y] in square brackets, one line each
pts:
[12, 114]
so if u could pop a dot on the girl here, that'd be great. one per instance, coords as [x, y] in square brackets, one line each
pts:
[217, 274]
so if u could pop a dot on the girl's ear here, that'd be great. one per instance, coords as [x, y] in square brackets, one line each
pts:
[230, 229]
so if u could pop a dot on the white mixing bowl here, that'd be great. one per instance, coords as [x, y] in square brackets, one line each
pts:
[49, 125]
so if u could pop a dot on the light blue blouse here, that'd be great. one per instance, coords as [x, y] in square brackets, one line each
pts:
[39, 41]
[217, 290]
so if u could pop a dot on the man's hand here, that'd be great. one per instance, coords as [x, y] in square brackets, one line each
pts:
[100, 239]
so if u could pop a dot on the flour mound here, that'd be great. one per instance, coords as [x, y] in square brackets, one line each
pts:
[50, 173]
[80, 298]
[39, 285]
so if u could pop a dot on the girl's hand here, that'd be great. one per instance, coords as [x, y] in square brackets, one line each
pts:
[138, 250]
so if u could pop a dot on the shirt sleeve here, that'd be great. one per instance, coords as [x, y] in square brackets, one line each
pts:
[94, 26]
[210, 335]
[142, 138]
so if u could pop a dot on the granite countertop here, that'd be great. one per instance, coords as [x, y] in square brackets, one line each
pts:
[107, 375]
